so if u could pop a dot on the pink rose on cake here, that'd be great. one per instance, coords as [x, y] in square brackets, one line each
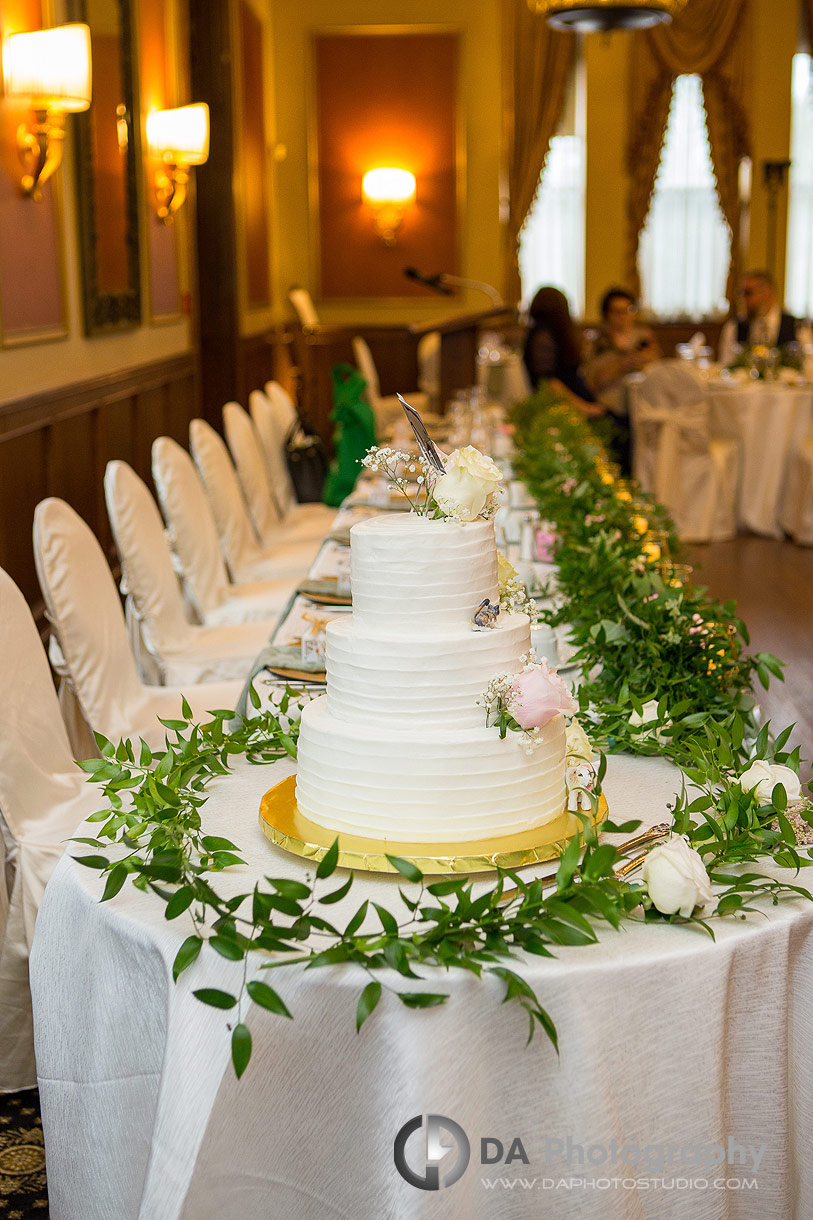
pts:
[468, 488]
[537, 695]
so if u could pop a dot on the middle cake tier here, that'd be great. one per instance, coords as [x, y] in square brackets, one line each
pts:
[434, 676]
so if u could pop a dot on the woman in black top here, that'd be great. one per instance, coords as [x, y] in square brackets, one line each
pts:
[552, 350]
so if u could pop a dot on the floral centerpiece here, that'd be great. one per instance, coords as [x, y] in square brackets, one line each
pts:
[763, 362]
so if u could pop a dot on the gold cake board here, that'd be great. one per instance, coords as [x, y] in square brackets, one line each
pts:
[284, 824]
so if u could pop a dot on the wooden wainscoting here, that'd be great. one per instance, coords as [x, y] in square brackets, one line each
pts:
[58, 444]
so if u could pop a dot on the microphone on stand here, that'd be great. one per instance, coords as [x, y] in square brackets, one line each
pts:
[430, 281]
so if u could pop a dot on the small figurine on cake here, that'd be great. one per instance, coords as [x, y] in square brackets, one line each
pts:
[580, 774]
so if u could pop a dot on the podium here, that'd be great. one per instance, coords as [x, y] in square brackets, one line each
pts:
[458, 345]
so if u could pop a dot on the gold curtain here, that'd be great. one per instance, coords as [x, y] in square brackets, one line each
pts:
[537, 65]
[710, 38]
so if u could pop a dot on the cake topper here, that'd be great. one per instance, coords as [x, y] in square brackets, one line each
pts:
[427, 446]
[485, 616]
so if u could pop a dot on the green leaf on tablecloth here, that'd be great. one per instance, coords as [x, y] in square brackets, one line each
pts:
[422, 999]
[186, 955]
[215, 843]
[406, 868]
[367, 1002]
[337, 895]
[215, 998]
[115, 880]
[180, 901]
[779, 800]
[327, 864]
[357, 920]
[388, 920]
[92, 861]
[227, 947]
[267, 998]
[291, 889]
[240, 1048]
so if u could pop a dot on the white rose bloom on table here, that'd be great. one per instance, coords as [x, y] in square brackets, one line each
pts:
[468, 488]
[676, 878]
[647, 715]
[763, 777]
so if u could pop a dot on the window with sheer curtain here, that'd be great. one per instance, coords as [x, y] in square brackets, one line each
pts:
[685, 246]
[799, 268]
[551, 249]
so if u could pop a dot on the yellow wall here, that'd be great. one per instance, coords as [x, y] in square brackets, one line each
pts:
[294, 21]
[45, 366]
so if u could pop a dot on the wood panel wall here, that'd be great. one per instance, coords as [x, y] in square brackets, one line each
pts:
[58, 444]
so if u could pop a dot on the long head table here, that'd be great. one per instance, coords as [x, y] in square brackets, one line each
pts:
[670, 1043]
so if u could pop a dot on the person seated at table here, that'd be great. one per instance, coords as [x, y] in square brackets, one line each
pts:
[763, 322]
[620, 347]
[552, 350]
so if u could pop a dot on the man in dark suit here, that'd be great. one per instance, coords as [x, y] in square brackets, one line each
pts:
[764, 322]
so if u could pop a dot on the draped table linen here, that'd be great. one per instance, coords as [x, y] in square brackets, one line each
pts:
[666, 1037]
[771, 422]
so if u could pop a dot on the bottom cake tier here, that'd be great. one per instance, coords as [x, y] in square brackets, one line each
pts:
[436, 785]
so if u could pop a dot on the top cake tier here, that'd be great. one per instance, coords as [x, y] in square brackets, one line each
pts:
[409, 569]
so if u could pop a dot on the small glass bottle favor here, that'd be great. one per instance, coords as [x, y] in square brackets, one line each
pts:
[313, 639]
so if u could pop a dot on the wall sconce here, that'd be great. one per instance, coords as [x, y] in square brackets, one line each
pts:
[388, 191]
[51, 70]
[178, 139]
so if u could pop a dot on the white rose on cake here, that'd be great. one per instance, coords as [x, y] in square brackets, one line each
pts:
[763, 777]
[468, 488]
[578, 743]
[676, 878]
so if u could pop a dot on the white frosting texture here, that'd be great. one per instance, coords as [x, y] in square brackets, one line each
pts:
[407, 570]
[398, 749]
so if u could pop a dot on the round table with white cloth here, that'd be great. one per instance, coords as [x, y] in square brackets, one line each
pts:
[676, 1052]
[771, 420]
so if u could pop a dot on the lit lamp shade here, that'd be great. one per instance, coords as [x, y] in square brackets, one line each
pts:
[388, 185]
[50, 68]
[179, 136]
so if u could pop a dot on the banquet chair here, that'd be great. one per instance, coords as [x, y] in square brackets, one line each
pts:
[796, 514]
[270, 411]
[246, 560]
[92, 650]
[193, 536]
[386, 408]
[695, 474]
[302, 302]
[429, 368]
[262, 495]
[43, 799]
[179, 651]
[667, 383]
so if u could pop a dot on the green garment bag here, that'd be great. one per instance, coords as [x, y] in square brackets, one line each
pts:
[353, 433]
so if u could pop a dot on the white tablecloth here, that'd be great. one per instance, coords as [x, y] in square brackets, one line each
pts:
[771, 421]
[667, 1038]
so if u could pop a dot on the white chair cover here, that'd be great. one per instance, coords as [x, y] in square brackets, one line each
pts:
[85, 609]
[667, 383]
[245, 558]
[695, 474]
[260, 470]
[183, 652]
[193, 534]
[386, 408]
[269, 420]
[43, 798]
[797, 504]
[302, 302]
[429, 368]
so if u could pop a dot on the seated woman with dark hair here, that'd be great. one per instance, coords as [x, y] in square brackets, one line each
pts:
[552, 350]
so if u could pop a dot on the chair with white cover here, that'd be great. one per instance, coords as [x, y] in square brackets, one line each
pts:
[386, 408]
[43, 799]
[272, 528]
[429, 368]
[193, 535]
[85, 611]
[180, 651]
[796, 515]
[695, 473]
[302, 302]
[667, 383]
[269, 417]
[246, 560]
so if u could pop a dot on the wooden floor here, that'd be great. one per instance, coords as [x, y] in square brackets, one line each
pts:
[772, 583]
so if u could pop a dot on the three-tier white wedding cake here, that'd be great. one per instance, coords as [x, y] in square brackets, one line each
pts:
[398, 748]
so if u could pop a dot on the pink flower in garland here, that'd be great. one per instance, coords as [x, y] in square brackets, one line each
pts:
[537, 695]
[568, 486]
